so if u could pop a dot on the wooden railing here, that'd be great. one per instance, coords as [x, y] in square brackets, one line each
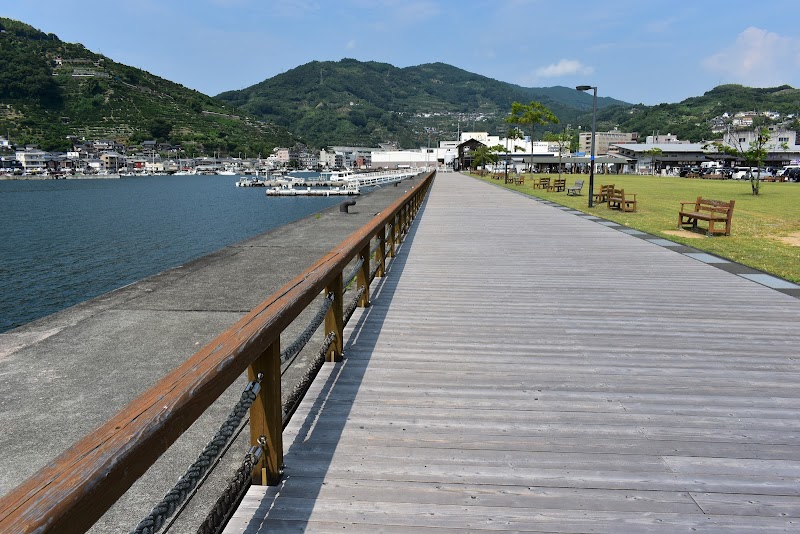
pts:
[77, 488]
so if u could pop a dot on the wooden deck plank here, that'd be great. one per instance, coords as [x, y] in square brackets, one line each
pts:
[477, 394]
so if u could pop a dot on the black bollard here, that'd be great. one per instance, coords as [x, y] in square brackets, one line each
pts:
[344, 205]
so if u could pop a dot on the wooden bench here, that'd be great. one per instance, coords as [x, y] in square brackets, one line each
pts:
[618, 200]
[704, 209]
[558, 185]
[575, 190]
[603, 194]
[519, 179]
[542, 183]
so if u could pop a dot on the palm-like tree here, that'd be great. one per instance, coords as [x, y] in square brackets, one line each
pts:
[531, 114]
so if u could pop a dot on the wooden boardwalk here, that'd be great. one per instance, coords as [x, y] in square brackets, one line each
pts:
[527, 369]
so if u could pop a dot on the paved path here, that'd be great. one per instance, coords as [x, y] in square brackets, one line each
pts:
[524, 368]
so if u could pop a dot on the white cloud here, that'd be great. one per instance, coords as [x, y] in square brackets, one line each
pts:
[565, 67]
[757, 58]
[351, 44]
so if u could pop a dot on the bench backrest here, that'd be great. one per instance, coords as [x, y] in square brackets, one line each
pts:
[578, 184]
[716, 206]
[544, 181]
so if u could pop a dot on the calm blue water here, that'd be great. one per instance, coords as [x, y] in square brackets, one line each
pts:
[66, 241]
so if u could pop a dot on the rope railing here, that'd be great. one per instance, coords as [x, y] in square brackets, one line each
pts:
[175, 497]
[74, 490]
[348, 279]
[294, 349]
[237, 486]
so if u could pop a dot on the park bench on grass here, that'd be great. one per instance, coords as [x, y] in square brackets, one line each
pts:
[519, 179]
[558, 185]
[704, 209]
[575, 190]
[542, 183]
[603, 194]
[618, 200]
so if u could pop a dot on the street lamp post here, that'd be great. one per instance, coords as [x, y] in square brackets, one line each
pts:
[594, 118]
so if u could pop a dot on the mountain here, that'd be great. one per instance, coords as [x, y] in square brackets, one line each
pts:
[367, 103]
[692, 118]
[50, 89]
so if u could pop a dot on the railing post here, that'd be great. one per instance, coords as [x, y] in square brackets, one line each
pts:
[334, 319]
[380, 254]
[362, 278]
[265, 415]
[392, 234]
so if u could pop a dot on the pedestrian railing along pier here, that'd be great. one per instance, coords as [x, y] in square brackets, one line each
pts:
[77, 488]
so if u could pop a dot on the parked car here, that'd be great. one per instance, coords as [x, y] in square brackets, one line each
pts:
[741, 173]
[794, 174]
[689, 170]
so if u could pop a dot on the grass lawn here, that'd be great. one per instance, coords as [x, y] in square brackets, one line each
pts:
[765, 232]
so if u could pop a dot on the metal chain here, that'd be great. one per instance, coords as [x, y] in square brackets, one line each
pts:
[294, 349]
[237, 486]
[172, 500]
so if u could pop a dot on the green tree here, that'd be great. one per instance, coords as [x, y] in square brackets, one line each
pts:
[160, 129]
[564, 142]
[531, 114]
[484, 155]
[653, 153]
[753, 154]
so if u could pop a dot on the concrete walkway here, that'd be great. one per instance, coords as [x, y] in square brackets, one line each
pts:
[529, 369]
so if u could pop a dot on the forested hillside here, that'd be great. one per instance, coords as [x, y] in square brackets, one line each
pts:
[691, 119]
[354, 102]
[50, 89]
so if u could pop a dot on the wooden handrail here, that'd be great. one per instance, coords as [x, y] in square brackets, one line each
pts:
[76, 489]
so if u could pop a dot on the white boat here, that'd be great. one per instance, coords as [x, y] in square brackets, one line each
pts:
[286, 190]
[226, 172]
[336, 176]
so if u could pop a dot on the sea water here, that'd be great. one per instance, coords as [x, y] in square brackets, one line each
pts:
[65, 241]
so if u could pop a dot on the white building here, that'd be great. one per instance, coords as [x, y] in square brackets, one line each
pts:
[603, 140]
[660, 139]
[33, 160]
[778, 137]
[514, 146]
[327, 159]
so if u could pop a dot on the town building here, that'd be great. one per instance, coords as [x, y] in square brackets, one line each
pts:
[604, 140]
[32, 159]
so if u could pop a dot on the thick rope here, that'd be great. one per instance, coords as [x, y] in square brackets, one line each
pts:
[226, 503]
[301, 387]
[172, 500]
[347, 280]
[294, 349]
[351, 307]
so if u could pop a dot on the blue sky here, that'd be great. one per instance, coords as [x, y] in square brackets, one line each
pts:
[639, 51]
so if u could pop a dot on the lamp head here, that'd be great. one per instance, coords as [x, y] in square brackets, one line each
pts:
[584, 87]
